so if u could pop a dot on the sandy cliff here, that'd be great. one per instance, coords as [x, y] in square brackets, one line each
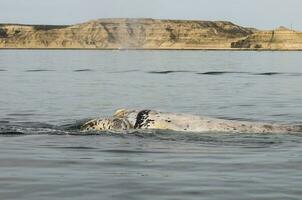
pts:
[146, 34]
[124, 33]
[278, 39]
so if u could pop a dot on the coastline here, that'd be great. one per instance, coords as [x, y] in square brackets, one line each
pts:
[148, 34]
[153, 49]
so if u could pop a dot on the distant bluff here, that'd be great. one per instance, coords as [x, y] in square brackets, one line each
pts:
[141, 34]
[278, 39]
[124, 33]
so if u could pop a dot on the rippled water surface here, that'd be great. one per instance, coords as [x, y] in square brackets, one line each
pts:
[44, 93]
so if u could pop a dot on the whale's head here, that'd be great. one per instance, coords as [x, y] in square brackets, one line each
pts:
[113, 123]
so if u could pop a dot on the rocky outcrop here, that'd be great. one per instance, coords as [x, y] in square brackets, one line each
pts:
[125, 33]
[278, 39]
[148, 34]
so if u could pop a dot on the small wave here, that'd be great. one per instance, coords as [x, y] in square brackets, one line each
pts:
[69, 147]
[39, 70]
[280, 115]
[20, 114]
[83, 70]
[126, 151]
[169, 71]
[19, 130]
[220, 72]
[268, 73]
[11, 133]
[124, 71]
[3, 70]
[246, 105]
[249, 73]
[276, 73]
[216, 73]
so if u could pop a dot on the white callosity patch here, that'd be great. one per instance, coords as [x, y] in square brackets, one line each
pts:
[148, 119]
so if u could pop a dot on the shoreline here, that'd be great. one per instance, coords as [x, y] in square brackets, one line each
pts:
[148, 34]
[153, 49]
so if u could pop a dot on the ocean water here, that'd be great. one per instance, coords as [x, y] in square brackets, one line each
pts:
[44, 93]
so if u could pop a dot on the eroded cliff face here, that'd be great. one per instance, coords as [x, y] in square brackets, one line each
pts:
[148, 34]
[278, 39]
[126, 33]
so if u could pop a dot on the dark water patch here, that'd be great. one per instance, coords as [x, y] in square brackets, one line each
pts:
[249, 73]
[11, 133]
[83, 70]
[39, 70]
[3, 70]
[16, 130]
[86, 158]
[276, 73]
[268, 73]
[246, 105]
[20, 114]
[169, 71]
[69, 147]
[7, 129]
[280, 115]
[126, 151]
[124, 71]
[30, 128]
[8, 119]
[221, 72]
[236, 118]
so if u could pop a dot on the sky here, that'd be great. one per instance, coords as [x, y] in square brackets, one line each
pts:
[262, 14]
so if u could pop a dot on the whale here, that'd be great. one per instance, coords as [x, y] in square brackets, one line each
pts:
[127, 119]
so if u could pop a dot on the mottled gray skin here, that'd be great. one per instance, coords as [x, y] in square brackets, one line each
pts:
[148, 119]
[107, 124]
